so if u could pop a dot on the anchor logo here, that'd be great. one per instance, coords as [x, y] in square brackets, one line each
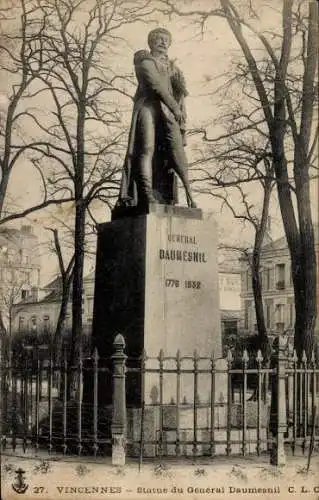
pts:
[19, 485]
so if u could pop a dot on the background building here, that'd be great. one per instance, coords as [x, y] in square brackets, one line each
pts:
[229, 275]
[277, 289]
[39, 317]
[19, 270]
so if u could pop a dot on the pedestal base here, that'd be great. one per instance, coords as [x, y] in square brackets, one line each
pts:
[157, 285]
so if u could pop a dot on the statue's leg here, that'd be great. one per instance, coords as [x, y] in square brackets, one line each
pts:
[178, 160]
[145, 152]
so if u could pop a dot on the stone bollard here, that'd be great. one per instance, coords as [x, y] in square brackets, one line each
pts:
[118, 427]
[278, 412]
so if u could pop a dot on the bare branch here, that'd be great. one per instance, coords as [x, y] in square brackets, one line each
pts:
[28, 211]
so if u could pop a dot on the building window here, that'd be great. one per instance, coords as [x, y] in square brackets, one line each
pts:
[230, 326]
[280, 327]
[4, 252]
[279, 316]
[21, 324]
[268, 313]
[90, 307]
[24, 294]
[280, 276]
[247, 314]
[261, 279]
[267, 278]
[34, 325]
[11, 255]
[247, 279]
[9, 275]
[46, 324]
[24, 258]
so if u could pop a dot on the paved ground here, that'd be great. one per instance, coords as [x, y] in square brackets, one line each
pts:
[56, 477]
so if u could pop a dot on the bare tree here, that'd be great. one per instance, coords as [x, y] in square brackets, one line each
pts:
[22, 60]
[235, 163]
[10, 294]
[66, 269]
[285, 87]
[62, 246]
[16, 52]
[82, 136]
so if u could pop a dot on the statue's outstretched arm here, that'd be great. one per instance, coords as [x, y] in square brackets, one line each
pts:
[153, 79]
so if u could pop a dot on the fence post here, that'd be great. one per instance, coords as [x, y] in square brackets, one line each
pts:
[278, 413]
[118, 427]
[2, 389]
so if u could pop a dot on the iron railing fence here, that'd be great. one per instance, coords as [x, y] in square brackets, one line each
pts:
[183, 405]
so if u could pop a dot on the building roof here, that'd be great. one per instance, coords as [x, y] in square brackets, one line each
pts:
[13, 234]
[281, 243]
[55, 284]
[53, 290]
[52, 297]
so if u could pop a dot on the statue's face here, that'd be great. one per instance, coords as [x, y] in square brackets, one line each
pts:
[161, 43]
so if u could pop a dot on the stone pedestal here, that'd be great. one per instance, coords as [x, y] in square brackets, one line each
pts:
[157, 285]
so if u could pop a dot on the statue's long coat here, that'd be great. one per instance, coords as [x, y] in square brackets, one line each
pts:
[155, 87]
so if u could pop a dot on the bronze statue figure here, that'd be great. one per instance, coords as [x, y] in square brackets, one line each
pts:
[156, 143]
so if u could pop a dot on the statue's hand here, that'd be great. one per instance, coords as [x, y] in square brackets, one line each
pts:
[179, 117]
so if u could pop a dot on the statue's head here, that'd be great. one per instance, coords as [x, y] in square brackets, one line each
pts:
[159, 40]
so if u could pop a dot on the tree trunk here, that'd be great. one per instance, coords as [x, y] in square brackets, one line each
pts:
[3, 188]
[77, 290]
[305, 323]
[293, 241]
[304, 332]
[259, 307]
[256, 281]
[277, 134]
[66, 285]
[79, 240]
[257, 290]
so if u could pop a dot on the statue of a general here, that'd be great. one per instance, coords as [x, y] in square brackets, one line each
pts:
[155, 150]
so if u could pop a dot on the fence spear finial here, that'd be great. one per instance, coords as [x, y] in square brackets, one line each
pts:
[304, 357]
[259, 357]
[245, 357]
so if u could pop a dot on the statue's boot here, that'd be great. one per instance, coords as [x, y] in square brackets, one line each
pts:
[181, 172]
[145, 180]
[179, 161]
